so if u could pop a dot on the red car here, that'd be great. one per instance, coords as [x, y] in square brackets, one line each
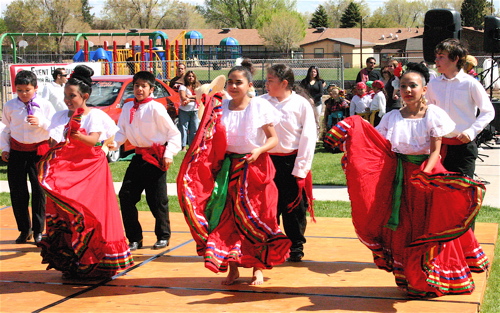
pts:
[110, 92]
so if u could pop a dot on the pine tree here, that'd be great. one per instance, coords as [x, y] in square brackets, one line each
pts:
[319, 18]
[473, 12]
[351, 16]
[87, 16]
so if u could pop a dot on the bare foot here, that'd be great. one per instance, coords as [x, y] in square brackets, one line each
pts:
[258, 277]
[233, 275]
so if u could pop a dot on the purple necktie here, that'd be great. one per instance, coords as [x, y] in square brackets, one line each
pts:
[30, 104]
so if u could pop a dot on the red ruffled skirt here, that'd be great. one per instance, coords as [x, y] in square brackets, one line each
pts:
[433, 251]
[85, 236]
[247, 232]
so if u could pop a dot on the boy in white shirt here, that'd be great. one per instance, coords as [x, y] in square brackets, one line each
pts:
[461, 96]
[147, 125]
[23, 142]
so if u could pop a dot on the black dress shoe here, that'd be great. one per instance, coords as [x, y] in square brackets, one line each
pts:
[295, 257]
[38, 237]
[134, 245]
[24, 236]
[160, 244]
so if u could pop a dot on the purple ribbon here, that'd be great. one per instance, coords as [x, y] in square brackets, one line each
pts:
[30, 104]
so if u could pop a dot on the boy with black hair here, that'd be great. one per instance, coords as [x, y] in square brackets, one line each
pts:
[147, 125]
[23, 142]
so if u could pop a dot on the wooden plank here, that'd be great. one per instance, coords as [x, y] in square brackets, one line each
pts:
[337, 275]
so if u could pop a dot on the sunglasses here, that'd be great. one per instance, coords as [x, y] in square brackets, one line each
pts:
[385, 72]
[64, 75]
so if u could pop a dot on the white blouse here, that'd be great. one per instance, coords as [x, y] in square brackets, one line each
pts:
[95, 122]
[244, 128]
[191, 106]
[413, 136]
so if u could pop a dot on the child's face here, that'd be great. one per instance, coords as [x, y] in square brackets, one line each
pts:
[25, 92]
[334, 92]
[274, 86]
[444, 64]
[360, 91]
[237, 85]
[142, 89]
[74, 98]
[411, 88]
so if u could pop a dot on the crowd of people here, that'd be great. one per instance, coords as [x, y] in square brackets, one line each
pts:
[248, 169]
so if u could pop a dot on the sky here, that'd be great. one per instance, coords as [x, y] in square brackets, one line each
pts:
[302, 5]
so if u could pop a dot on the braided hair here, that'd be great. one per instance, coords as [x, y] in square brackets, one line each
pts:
[82, 77]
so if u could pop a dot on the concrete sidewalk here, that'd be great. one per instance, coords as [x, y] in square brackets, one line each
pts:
[487, 169]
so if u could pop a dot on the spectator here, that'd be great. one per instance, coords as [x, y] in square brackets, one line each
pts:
[369, 72]
[54, 91]
[314, 86]
[178, 80]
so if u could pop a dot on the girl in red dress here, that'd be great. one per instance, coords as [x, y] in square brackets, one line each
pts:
[226, 186]
[85, 235]
[407, 209]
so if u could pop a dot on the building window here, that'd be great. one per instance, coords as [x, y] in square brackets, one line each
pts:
[319, 53]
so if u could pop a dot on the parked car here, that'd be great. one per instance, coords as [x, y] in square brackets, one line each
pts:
[110, 92]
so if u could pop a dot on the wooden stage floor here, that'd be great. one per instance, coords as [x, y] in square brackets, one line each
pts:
[337, 275]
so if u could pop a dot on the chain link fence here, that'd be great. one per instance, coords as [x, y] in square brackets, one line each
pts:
[330, 70]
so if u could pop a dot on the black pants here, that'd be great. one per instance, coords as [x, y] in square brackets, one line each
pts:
[141, 176]
[294, 222]
[461, 158]
[20, 165]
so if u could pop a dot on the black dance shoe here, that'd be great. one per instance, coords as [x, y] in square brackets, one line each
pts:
[134, 245]
[37, 237]
[24, 236]
[160, 244]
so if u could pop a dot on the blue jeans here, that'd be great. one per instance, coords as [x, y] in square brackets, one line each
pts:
[188, 125]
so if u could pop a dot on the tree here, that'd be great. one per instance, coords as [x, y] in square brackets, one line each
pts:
[446, 4]
[336, 8]
[3, 26]
[87, 16]
[182, 15]
[45, 16]
[283, 30]
[380, 20]
[399, 13]
[473, 12]
[351, 16]
[142, 14]
[319, 18]
[241, 13]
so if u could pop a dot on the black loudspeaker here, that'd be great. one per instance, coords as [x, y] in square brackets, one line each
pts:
[439, 24]
[491, 39]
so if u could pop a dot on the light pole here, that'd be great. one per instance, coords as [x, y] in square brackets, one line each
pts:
[361, 43]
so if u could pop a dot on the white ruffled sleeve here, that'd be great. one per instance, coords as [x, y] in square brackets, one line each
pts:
[439, 123]
[57, 124]
[100, 122]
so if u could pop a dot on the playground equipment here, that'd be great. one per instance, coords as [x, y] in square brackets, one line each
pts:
[117, 60]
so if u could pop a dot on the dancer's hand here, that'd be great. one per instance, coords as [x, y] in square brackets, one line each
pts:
[5, 156]
[167, 162]
[463, 137]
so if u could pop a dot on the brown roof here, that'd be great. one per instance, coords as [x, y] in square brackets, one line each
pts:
[250, 37]
[373, 35]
